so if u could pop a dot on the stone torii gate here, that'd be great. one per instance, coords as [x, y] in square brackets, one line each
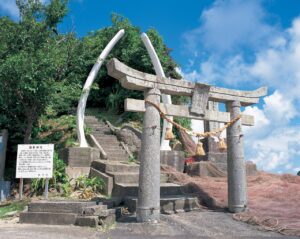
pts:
[149, 180]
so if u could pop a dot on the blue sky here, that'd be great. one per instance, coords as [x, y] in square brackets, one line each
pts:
[240, 44]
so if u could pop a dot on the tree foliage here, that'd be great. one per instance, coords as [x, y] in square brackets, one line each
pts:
[37, 66]
[42, 70]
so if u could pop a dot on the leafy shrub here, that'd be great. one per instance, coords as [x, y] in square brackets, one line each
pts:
[83, 182]
[60, 180]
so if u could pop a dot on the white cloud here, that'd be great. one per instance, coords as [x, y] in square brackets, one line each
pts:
[279, 108]
[275, 151]
[274, 142]
[9, 7]
[229, 25]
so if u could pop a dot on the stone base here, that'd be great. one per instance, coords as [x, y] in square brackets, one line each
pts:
[79, 157]
[4, 190]
[204, 168]
[174, 159]
[168, 204]
[211, 169]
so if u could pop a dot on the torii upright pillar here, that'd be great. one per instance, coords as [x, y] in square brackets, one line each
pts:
[148, 208]
[236, 169]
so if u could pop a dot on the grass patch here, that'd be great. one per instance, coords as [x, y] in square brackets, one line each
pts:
[14, 206]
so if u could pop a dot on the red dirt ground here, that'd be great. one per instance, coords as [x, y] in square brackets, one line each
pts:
[273, 200]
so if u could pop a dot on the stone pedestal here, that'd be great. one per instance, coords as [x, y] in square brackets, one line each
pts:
[79, 160]
[174, 159]
[214, 154]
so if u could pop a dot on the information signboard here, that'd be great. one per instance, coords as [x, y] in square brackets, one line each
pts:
[35, 161]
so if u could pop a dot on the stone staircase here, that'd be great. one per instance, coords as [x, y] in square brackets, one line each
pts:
[80, 213]
[121, 176]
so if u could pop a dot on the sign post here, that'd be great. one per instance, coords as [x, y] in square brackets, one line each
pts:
[34, 161]
[46, 188]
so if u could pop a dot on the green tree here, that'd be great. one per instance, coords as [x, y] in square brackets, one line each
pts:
[39, 68]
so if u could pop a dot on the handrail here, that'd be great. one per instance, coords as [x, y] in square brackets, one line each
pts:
[95, 143]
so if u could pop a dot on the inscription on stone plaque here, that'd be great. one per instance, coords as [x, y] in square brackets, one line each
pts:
[35, 161]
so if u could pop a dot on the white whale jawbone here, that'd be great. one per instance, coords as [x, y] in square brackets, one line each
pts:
[165, 144]
[87, 86]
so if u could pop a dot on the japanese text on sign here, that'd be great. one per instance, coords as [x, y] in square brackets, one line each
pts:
[35, 161]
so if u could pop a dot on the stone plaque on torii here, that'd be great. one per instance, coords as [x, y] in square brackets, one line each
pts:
[149, 179]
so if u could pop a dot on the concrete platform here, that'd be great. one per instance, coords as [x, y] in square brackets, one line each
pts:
[80, 213]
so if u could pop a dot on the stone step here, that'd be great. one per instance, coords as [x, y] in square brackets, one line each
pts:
[48, 218]
[108, 142]
[125, 177]
[107, 138]
[168, 204]
[90, 116]
[99, 210]
[101, 130]
[113, 148]
[59, 206]
[98, 128]
[116, 152]
[87, 221]
[117, 155]
[101, 134]
[121, 157]
[131, 189]
[114, 166]
[118, 159]
[91, 122]
[106, 219]
[107, 179]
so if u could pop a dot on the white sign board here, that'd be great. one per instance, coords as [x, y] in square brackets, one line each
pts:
[35, 161]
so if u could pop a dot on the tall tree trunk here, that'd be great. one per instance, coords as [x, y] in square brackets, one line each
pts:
[28, 131]
[30, 120]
